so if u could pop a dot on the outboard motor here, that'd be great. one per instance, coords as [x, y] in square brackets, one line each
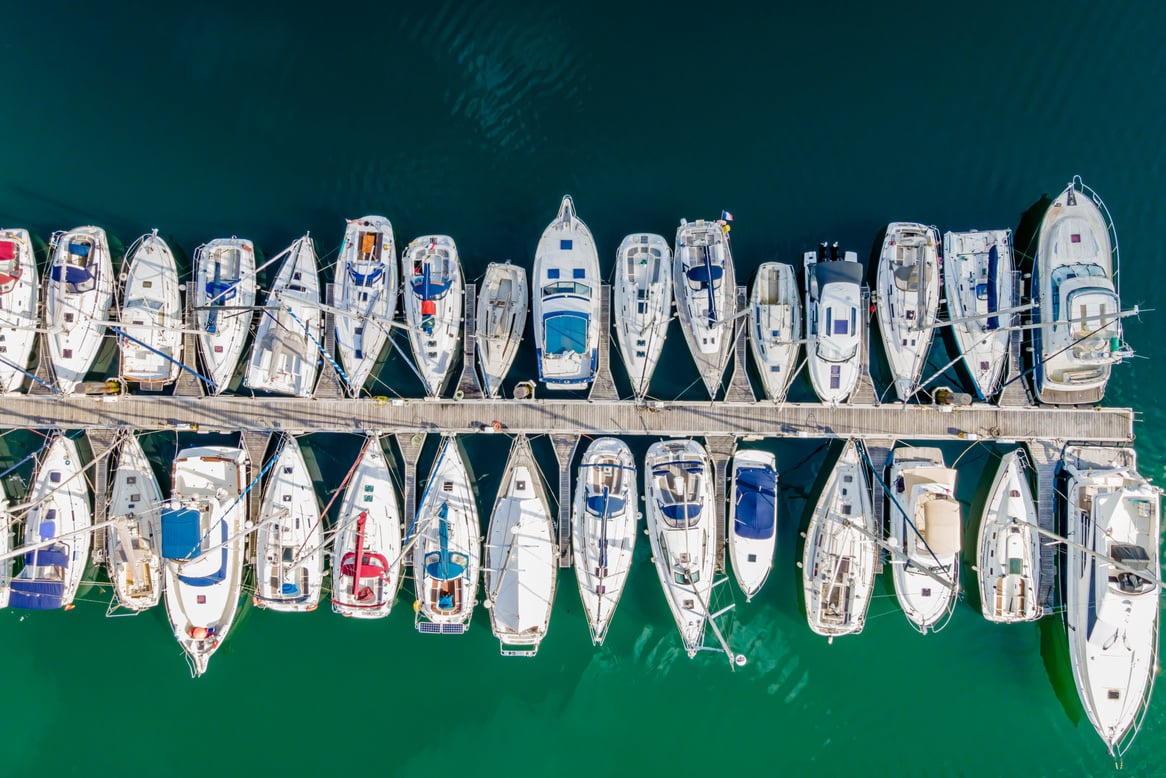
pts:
[823, 253]
[834, 251]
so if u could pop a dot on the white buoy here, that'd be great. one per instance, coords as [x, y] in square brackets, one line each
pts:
[740, 660]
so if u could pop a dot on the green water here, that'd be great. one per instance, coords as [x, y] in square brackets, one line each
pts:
[473, 119]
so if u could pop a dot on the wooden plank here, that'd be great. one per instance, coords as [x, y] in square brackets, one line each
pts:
[739, 389]
[865, 392]
[603, 386]
[564, 446]
[721, 448]
[329, 385]
[878, 451]
[1045, 456]
[411, 445]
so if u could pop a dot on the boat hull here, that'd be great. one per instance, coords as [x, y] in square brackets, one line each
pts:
[835, 325]
[705, 286]
[19, 298]
[366, 297]
[908, 301]
[977, 273]
[151, 315]
[775, 327]
[132, 543]
[78, 296]
[752, 519]
[289, 542]
[285, 358]
[643, 305]
[501, 317]
[1008, 547]
[433, 302]
[224, 299]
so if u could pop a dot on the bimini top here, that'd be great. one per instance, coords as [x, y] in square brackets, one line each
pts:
[566, 332]
[941, 527]
[838, 272]
[605, 505]
[756, 516]
[36, 595]
[445, 565]
[706, 273]
[181, 533]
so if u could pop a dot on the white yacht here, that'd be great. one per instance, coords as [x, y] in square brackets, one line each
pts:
[285, 357]
[643, 305]
[19, 295]
[908, 300]
[977, 280]
[202, 544]
[133, 539]
[678, 493]
[366, 568]
[522, 558]
[1112, 588]
[925, 533]
[705, 286]
[604, 518]
[1079, 336]
[753, 519]
[1008, 549]
[289, 539]
[448, 548]
[151, 314]
[775, 326]
[838, 563]
[835, 322]
[78, 296]
[433, 307]
[224, 300]
[566, 302]
[503, 298]
[56, 526]
[365, 296]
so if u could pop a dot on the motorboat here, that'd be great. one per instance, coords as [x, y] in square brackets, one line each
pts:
[567, 302]
[19, 295]
[753, 519]
[977, 280]
[202, 544]
[835, 322]
[224, 304]
[433, 307]
[643, 305]
[150, 336]
[365, 296]
[1008, 548]
[501, 317]
[78, 296]
[522, 558]
[839, 559]
[285, 358]
[289, 538]
[133, 538]
[775, 326]
[705, 286]
[908, 300]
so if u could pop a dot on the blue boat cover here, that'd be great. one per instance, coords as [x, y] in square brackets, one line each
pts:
[79, 249]
[181, 538]
[681, 511]
[46, 557]
[215, 577]
[444, 565]
[366, 279]
[756, 515]
[596, 504]
[566, 332]
[993, 284]
[36, 595]
[47, 529]
[71, 274]
[289, 590]
[424, 286]
[705, 274]
[218, 292]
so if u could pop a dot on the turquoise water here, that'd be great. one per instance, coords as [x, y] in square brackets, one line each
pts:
[472, 119]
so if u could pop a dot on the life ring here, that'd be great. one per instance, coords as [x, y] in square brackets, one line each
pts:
[380, 400]
[459, 395]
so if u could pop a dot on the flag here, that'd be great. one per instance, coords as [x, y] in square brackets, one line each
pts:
[432, 245]
[726, 216]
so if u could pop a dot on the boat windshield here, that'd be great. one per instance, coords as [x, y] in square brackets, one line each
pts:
[566, 333]
[567, 287]
[1068, 273]
[679, 485]
[1135, 558]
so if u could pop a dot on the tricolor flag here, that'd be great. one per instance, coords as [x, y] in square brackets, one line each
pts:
[432, 244]
[726, 216]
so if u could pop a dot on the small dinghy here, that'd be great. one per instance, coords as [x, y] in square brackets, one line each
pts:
[977, 279]
[838, 563]
[151, 315]
[643, 305]
[566, 302]
[775, 326]
[55, 524]
[753, 519]
[78, 297]
[366, 296]
[603, 529]
[706, 297]
[433, 307]
[285, 358]
[908, 300]
[202, 543]
[448, 548]
[19, 294]
[133, 539]
[224, 300]
[501, 318]
[1008, 550]
[522, 557]
[835, 322]
[289, 541]
[367, 575]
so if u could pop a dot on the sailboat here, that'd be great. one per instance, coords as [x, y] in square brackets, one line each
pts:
[78, 296]
[367, 572]
[1112, 588]
[925, 532]
[838, 563]
[835, 323]
[433, 307]
[643, 305]
[908, 300]
[19, 293]
[224, 299]
[366, 296]
[1008, 548]
[753, 519]
[133, 539]
[289, 540]
[522, 557]
[501, 318]
[56, 525]
[705, 286]
[151, 314]
[285, 358]
[6, 527]
[678, 492]
[447, 550]
[775, 326]
[603, 529]
[566, 302]
[202, 544]
[977, 279]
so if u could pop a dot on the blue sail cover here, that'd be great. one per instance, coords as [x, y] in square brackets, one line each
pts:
[566, 332]
[36, 595]
[605, 505]
[424, 286]
[53, 556]
[681, 511]
[444, 565]
[756, 516]
[218, 575]
[181, 535]
[71, 274]
[993, 303]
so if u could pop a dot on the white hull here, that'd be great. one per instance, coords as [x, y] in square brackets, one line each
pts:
[977, 278]
[1008, 552]
[908, 300]
[19, 294]
[501, 317]
[5, 547]
[835, 325]
[133, 552]
[366, 296]
[78, 296]
[775, 326]
[705, 287]
[285, 358]
[224, 296]
[643, 305]
[289, 541]
[752, 519]
[151, 314]
[433, 294]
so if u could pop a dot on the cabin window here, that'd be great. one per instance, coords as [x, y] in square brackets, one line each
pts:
[552, 272]
[55, 477]
[566, 244]
[829, 319]
[578, 273]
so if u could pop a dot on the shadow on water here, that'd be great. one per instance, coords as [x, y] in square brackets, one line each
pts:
[1054, 652]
